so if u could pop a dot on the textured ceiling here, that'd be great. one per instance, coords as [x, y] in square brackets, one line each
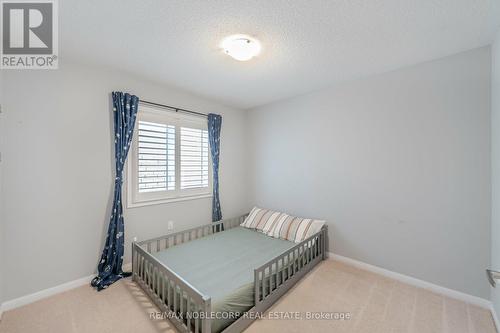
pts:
[306, 44]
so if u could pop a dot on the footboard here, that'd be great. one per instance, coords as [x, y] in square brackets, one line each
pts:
[177, 300]
[180, 302]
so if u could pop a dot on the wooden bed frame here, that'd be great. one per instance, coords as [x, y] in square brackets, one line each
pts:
[164, 286]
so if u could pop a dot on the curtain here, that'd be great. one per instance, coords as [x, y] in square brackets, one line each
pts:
[110, 265]
[214, 126]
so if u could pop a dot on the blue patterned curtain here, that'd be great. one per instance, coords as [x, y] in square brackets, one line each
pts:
[110, 266]
[214, 125]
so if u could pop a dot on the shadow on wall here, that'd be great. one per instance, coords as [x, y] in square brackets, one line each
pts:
[109, 204]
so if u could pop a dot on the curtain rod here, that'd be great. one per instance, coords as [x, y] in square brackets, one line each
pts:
[174, 108]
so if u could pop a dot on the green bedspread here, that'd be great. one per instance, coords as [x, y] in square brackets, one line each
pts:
[222, 266]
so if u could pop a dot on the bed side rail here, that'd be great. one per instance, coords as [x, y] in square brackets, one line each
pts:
[166, 241]
[279, 274]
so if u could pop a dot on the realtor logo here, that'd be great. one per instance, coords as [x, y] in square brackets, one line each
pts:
[29, 34]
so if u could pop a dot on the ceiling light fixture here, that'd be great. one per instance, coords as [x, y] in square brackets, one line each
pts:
[241, 47]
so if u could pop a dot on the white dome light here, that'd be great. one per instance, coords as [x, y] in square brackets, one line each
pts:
[241, 47]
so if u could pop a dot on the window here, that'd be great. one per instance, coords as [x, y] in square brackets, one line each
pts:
[169, 159]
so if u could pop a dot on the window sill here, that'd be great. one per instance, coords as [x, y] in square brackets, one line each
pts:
[169, 200]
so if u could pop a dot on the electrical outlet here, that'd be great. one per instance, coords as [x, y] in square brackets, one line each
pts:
[170, 225]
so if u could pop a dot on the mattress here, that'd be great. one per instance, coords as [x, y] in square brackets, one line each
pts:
[222, 266]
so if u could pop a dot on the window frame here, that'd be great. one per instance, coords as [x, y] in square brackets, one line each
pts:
[153, 114]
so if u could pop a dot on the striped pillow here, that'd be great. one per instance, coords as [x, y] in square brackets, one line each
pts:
[263, 220]
[295, 229]
[281, 225]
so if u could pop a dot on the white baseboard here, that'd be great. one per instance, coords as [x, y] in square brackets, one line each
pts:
[484, 303]
[127, 267]
[495, 317]
[25, 300]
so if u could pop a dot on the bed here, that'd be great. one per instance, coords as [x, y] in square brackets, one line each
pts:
[219, 277]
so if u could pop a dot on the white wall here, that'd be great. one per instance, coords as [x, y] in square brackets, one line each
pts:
[398, 164]
[57, 172]
[495, 166]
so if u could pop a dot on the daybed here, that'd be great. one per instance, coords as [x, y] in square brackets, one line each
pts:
[220, 277]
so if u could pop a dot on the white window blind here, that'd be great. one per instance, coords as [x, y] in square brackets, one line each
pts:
[194, 158]
[156, 157]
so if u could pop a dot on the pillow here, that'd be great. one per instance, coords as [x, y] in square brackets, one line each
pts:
[295, 229]
[281, 225]
[262, 220]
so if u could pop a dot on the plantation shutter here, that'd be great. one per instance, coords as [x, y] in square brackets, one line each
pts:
[193, 158]
[156, 157]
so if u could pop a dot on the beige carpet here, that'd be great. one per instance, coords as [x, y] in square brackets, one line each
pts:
[375, 303]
